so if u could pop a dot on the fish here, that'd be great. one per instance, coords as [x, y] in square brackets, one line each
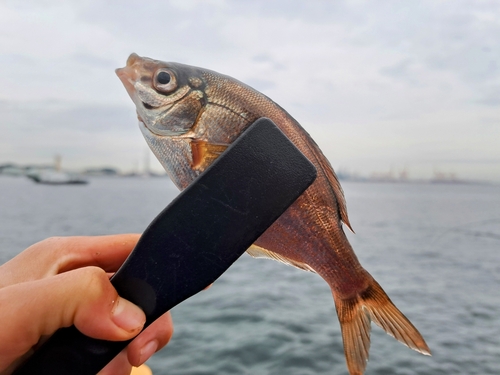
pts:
[190, 115]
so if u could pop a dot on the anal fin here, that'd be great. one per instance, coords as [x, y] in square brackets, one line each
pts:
[259, 252]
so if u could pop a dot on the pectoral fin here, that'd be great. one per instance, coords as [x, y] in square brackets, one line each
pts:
[204, 153]
[260, 252]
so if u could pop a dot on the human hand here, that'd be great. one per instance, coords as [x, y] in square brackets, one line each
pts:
[64, 281]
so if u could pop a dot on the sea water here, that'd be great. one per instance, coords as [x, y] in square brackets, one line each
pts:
[434, 248]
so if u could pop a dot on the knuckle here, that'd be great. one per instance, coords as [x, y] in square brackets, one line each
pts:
[51, 241]
[94, 281]
[51, 245]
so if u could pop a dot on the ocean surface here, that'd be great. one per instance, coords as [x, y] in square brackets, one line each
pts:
[435, 249]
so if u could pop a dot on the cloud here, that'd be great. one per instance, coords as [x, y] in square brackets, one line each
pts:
[370, 81]
[491, 96]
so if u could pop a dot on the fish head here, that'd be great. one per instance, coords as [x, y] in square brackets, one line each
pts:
[167, 96]
[188, 115]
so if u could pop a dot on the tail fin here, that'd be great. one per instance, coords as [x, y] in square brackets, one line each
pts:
[355, 315]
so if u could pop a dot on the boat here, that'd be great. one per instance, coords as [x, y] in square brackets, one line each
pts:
[52, 177]
[55, 176]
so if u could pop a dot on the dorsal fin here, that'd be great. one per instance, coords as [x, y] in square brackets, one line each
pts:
[339, 193]
[334, 182]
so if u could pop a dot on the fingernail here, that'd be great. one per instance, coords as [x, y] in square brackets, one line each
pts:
[128, 316]
[147, 351]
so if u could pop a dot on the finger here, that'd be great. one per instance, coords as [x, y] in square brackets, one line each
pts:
[149, 341]
[152, 339]
[60, 254]
[83, 297]
[118, 366]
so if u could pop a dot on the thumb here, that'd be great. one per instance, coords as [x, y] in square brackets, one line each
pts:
[83, 297]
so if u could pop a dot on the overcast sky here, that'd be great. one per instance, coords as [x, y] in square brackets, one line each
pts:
[378, 84]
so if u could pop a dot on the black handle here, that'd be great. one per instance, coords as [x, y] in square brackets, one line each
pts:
[193, 241]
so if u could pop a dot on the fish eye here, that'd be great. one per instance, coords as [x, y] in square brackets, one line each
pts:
[164, 81]
[163, 78]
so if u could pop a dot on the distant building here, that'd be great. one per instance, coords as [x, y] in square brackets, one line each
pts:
[107, 171]
[345, 175]
[445, 177]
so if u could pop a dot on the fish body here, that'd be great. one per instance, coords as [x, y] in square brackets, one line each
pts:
[190, 115]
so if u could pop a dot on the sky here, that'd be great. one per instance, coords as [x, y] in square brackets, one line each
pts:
[385, 85]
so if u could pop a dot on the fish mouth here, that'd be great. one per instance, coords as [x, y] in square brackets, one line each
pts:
[133, 58]
[143, 96]
[129, 74]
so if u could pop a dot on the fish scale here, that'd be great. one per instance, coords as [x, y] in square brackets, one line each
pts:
[309, 235]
